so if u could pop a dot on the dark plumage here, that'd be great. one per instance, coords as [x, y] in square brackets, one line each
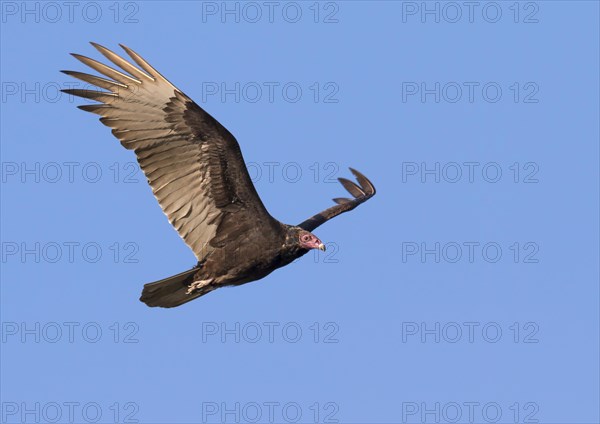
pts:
[197, 173]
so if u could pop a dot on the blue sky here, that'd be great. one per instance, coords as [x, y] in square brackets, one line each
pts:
[466, 290]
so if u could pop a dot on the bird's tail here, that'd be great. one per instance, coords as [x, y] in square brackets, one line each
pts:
[173, 291]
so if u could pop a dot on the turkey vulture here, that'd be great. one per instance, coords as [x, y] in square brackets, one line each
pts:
[198, 175]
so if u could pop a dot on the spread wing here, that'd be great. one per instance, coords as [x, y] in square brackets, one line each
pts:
[361, 193]
[193, 164]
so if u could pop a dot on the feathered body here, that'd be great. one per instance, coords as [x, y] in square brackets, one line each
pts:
[231, 266]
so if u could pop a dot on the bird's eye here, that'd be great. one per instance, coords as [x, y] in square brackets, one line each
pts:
[305, 237]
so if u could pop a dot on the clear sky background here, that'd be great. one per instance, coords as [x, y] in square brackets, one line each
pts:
[465, 291]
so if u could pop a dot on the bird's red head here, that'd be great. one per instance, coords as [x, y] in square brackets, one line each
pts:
[309, 241]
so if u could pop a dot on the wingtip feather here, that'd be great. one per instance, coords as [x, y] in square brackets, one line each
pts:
[352, 188]
[365, 183]
[341, 200]
[143, 63]
[122, 63]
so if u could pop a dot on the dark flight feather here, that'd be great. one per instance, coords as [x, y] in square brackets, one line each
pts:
[361, 193]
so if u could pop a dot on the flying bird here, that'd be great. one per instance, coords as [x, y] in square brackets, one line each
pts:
[198, 175]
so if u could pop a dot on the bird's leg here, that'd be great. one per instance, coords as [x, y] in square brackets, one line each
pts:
[197, 285]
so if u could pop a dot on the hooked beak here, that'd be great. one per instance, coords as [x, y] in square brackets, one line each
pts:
[321, 247]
